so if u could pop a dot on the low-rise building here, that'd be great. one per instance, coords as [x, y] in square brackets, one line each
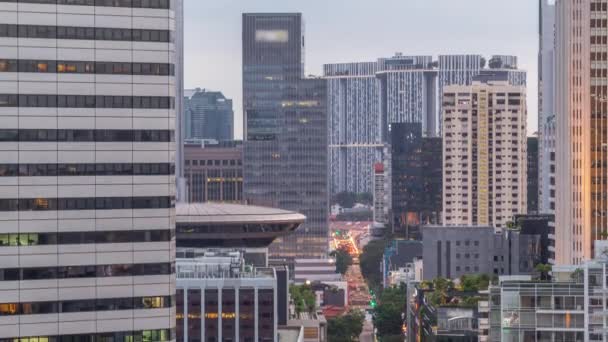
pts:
[225, 289]
[446, 315]
[315, 270]
[214, 171]
[220, 298]
[571, 306]
[398, 255]
[452, 251]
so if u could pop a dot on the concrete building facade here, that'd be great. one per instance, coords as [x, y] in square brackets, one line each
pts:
[546, 105]
[214, 171]
[87, 187]
[581, 125]
[451, 252]
[485, 152]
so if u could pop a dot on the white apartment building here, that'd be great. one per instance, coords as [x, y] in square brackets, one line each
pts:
[87, 221]
[484, 152]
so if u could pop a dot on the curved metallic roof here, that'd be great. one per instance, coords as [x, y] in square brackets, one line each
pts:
[233, 213]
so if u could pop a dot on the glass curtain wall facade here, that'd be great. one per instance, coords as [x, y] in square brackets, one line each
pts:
[417, 179]
[285, 116]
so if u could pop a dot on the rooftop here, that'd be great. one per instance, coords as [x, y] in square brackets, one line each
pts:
[233, 213]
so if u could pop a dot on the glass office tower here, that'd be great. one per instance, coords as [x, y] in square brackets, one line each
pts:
[285, 148]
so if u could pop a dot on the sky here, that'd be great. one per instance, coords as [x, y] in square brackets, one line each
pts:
[362, 30]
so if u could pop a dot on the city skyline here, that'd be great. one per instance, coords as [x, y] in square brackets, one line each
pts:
[336, 39]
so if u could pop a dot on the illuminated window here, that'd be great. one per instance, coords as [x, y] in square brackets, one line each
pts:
[41, 203]
[42, 67]
[8, 309]
[152, 302]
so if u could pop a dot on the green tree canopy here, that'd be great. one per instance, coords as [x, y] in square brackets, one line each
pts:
[544, 270]
[303, 298]
[474, 282]
[388, 314]
[370, 261]
[343, 260]
[346, 328]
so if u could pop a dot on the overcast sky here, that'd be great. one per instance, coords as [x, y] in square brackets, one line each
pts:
[362, 30]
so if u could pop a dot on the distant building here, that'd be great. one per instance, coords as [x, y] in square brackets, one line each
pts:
[532, 181]
[214, 171]
[546, 106]
[285, 131]
[355, 125]
[400, 254]
[485, 152]
[315, 270]
[542, 225]
[416, 179]
[462, 69]
[363, 100]
[380, 194]
[208, 115]
[451, 252]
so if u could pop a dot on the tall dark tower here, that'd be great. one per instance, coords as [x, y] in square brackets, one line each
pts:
[285, 118]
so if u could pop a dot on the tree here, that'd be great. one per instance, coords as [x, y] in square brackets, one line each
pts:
[578, 275]
[387, 317]
[482, 63]
[303, 298]
[343, 260]
[370, 261]
[441, 291]
[544, 270]
[474, 282]
[495, 63]
[346, 328]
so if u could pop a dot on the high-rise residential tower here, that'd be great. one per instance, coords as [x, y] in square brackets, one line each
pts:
[355, 125]
[546, 108]
[581, 106]
[364, 99]
[485, 159]
[462, 69]
[86, 170]
[285, 116]
[208, 115]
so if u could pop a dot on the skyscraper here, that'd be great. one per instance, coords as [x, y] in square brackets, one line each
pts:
[532, 191]
[364, 99]
[86, 150]
[355, 133]
[462, 69]
[408, 92]
[285, 116]
[208, 115]
[581, 139]
[485, 159]
[546, 108]
[417, 179]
